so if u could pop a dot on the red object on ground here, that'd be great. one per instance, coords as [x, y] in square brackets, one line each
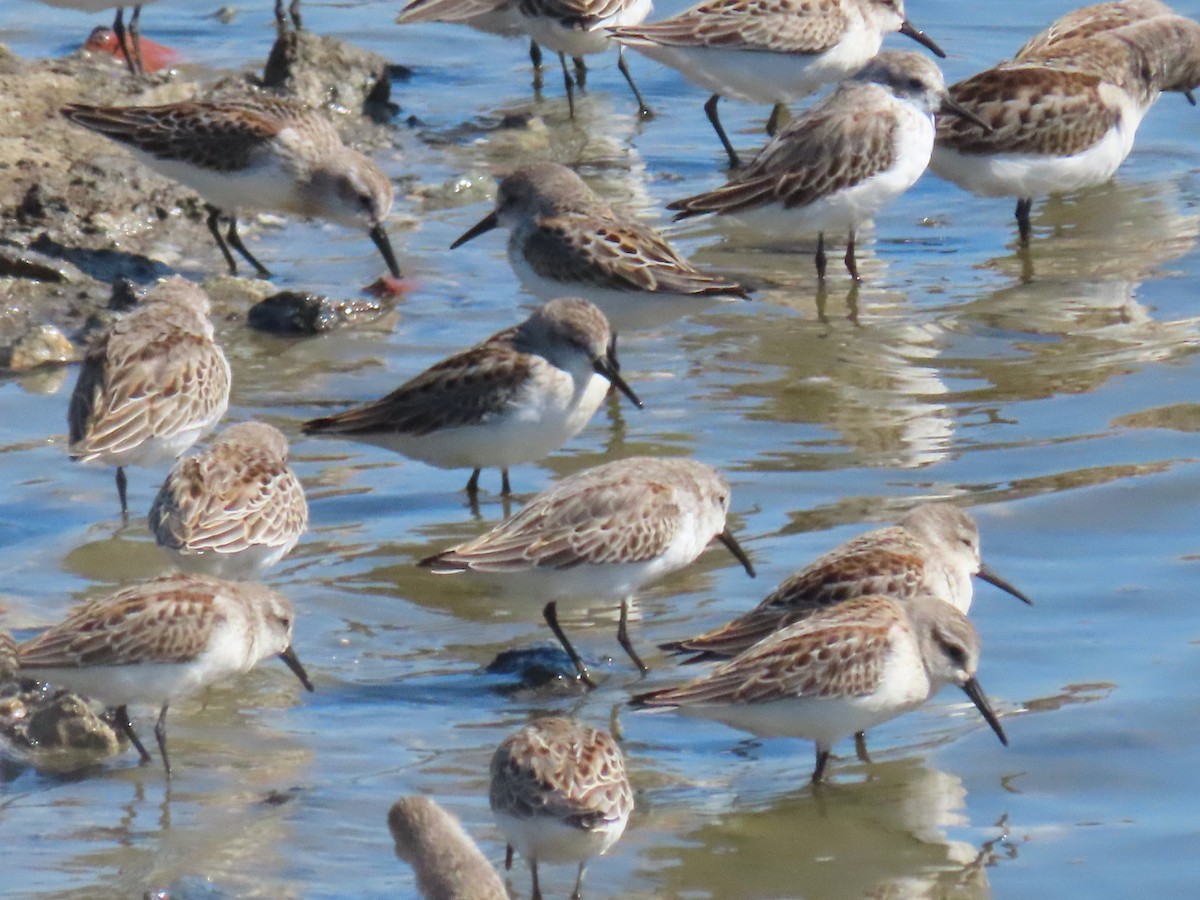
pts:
[387, 286]
[154, 56]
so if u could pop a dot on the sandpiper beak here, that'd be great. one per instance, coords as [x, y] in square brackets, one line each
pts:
[293, 663]
[487, 223]
[1191, 98]
[906, 29]
[608, 369]
[380, 238]
[958, 109]
[727, 538]
[992, 578]
[972, 689]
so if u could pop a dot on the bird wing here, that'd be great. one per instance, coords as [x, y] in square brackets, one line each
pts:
[779, 26]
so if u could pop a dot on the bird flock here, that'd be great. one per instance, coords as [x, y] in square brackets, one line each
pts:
[863, 634]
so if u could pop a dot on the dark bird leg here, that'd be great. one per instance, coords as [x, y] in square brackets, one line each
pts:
[537, 888]
[294, 12]
[818, 774]
[160, 735]
[213, 226]
[851, 263]
[860, 747]
[122, 714]
[505, 487]
[550, 614]
[1024, 229]
[508, 857]
[535, 57]
[643, 109]
[135, 37]
[123, 41]
[570, 85]
[779, 117]
[473, 485]
[578, 892]
[122, 484]
[232, 236]
[580, 72]
[623, 636]
[710, 110]
[821, 256]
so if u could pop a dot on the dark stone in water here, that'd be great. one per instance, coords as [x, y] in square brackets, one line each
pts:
[534, 668]
[297, 312]
[46, 724]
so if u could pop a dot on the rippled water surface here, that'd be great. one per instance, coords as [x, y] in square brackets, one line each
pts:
[1062, 410]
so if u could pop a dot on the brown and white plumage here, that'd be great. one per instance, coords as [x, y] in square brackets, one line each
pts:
[559, 793]
[235, 509]
[563, 239]
[1063, 115]
[770, 51]
[934, 550]
[835, 165]
[160, 640]
[514, 398]
[603, 532]
[840, 671]
[1091, 20]
[253, 153]
[151, 385]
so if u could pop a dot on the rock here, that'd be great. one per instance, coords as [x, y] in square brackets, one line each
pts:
[296, 312]
[534, 669]
[42, 345]
[53, 728]
[322, 71]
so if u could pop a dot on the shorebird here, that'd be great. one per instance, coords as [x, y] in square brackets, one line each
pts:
[564, 239]
[838, 163]
[559, 793]
[447, 863]
[252, 153]
[842, 670]
[151, 385]
[770, 52]
[516, 397]
[162, 640]
[602, 532]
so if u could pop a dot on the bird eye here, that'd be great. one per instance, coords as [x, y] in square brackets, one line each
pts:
[915, 84]
[954, 653]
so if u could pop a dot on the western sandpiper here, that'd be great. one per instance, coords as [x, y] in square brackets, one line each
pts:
[516, 397]
[770, 52]
[579, 28]
[130, 41]
[602, 532]
[559, 794]
[161, 640]
[1089, 20]
[843, 670]
[843, 160]
[563, 239]
[253, 153]
[447, 863]
[152, 385]
[932, 551]
[1065, 118]
[235, 509]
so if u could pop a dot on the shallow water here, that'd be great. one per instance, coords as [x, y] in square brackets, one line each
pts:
[1061, 410]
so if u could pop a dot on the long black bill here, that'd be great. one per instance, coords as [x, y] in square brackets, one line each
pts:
[608, 369]
[293, 663]
[949, 103]
[922, 38]
[379, 236]
[1191, 98]
[484, 225]
[726, 538]
[972, 689]
[992, 578]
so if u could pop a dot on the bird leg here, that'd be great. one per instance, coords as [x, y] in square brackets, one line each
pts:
[860, 747]
[232, 236]
[550, 614]
[1024, 228]
[122, 484]
[623, 636]
[213, 227]
[851, 263]
[818, 774]
[643, 110]
[821, 256]
[578, 892]
[562, 58]
[537, 888]
[122, 714]
[122, 41]
[135, 37]
[535, 57]
[710, 110]
[505, 487]
[160, 735]
[508, 857]
[581, 71]
[779, 117]
[473, 484]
